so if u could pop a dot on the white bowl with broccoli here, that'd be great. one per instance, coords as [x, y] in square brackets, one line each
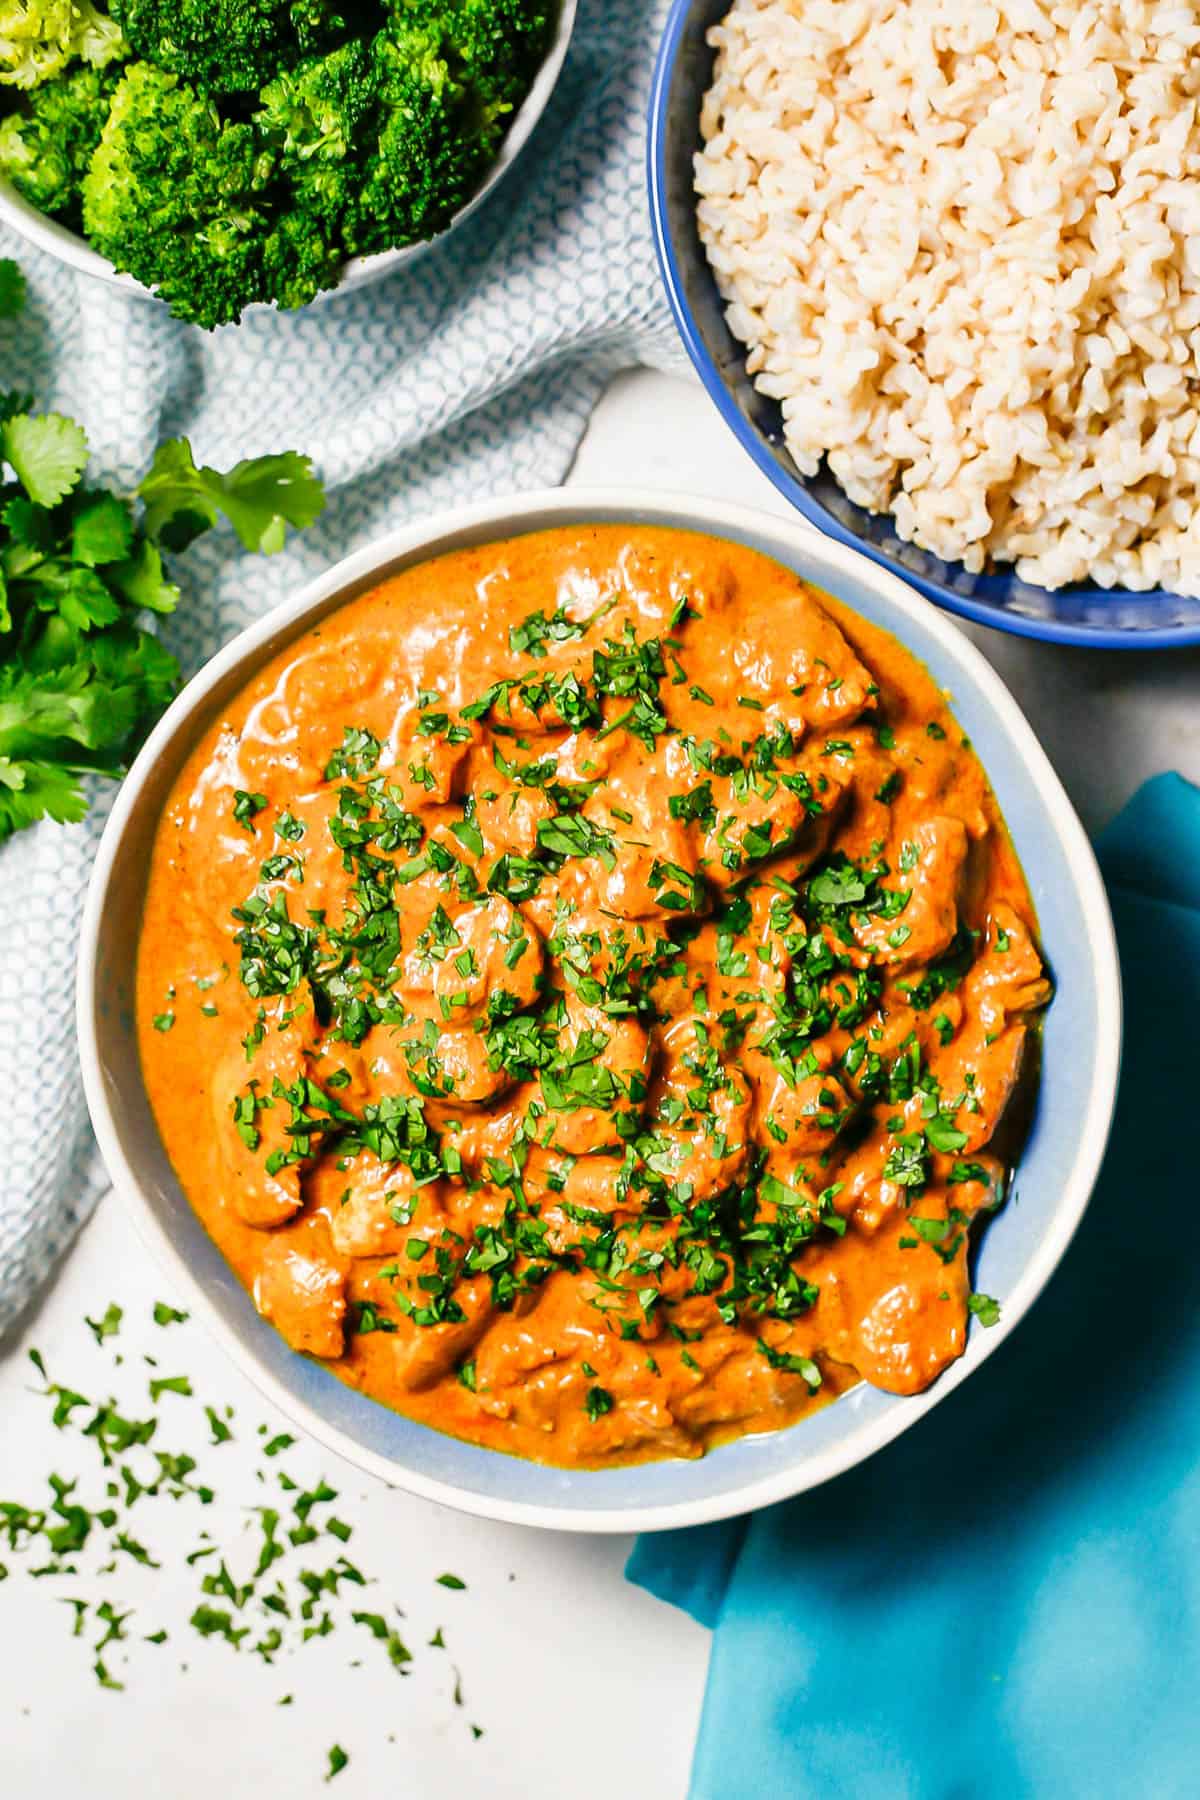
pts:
[223, 154]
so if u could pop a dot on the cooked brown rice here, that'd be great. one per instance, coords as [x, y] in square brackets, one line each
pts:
[961, 241]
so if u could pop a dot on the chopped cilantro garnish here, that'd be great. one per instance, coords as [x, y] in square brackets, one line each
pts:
[907, 1162]
[246, 808]
[221, 1434]
[169, 1384]
[804, 1366]
[108, 1325]
[984, 1308]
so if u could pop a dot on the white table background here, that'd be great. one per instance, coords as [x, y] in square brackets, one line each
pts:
[585, 1687]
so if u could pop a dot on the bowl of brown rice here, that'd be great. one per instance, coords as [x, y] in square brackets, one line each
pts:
[938, 264]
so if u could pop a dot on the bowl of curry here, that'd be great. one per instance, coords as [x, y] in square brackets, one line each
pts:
[569, 993]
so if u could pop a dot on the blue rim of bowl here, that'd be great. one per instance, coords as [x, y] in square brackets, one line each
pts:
[792, 486]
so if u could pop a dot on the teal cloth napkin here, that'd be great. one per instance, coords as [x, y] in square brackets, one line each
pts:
[1006, 1601]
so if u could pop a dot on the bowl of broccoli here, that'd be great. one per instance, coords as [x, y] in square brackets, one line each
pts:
[220, 154]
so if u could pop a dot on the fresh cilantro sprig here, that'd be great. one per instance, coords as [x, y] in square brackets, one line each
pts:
[260, 497]
[81, 678]
[12, 288]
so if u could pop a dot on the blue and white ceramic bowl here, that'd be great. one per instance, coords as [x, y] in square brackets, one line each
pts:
[1114, 619]
[1022, 1245]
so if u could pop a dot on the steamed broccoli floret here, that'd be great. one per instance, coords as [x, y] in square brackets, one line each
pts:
[320, 23]
[493, 46]
[188, 203]
[450, 73]
[225, 46]
[46, 148]
[500, 45]
[300, 257]
[433, 143]
[317, 116]
[175, 197]
[38, 38]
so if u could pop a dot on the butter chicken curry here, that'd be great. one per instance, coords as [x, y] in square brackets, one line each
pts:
[581, 987]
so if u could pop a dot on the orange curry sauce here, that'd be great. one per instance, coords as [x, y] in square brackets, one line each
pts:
[580, 986]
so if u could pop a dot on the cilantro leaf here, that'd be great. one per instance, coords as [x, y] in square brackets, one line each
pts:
[907, 1162]
[837, 886]
[81, 681]
[62, 722]
[944, 1135]
[101, 530]
[142, 580]
[260, 497]
[37, 790]
[108, 1325]
[12, 288]
[47, 454]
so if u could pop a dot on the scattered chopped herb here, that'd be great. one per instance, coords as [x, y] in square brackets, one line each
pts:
[265, 1610]
[107, 1326]
[221, 1434]
[169, 1384]
[984, 1308]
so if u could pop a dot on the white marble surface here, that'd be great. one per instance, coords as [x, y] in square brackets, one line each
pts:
[585, 1688]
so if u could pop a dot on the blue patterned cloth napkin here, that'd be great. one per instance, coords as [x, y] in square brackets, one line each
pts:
[1006, 1601]
[470, 372]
